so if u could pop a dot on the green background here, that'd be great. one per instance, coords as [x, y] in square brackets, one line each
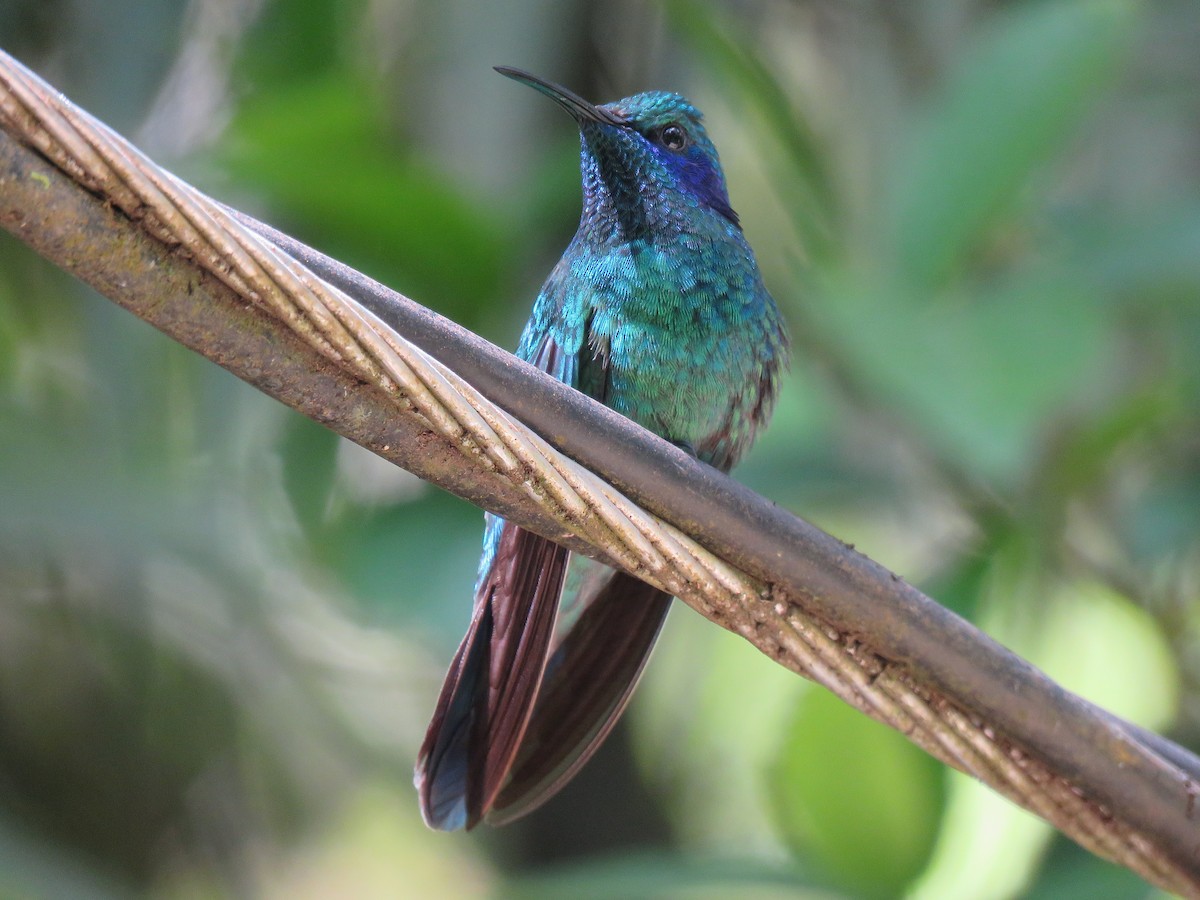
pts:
[222, 629]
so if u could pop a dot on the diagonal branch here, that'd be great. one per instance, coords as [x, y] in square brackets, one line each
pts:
[315, 337]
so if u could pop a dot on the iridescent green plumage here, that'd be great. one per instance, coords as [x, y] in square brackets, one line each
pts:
[658, 310]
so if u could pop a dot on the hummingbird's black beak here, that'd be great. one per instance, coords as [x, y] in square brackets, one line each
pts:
[579, 108]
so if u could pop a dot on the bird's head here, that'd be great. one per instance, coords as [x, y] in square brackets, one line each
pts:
[640, 147]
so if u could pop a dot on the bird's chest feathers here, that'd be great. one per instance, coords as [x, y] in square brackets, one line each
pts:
[673, 326]
[642, 292]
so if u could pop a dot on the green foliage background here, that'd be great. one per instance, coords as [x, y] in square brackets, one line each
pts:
[221, 630]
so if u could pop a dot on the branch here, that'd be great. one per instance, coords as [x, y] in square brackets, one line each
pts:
[408, 392]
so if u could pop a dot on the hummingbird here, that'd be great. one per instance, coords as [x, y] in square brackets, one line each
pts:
[658, 310]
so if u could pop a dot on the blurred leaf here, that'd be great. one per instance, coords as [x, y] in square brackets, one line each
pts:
[855, 795]
[1083, 458]
[807, 186]
[1145, 258]
[665, 878]
[375, 847]
[412, 562]
[1163, 521]
[298, 39]
[793, 461]
[1071, 873]
[959, 586]
[1103, 647]
[318, 148]
[13, 332]
[987, 847]
[33, 865]
[1009, 106]
[309, 454]
[95, 790]
[977, 376]
[711, 703]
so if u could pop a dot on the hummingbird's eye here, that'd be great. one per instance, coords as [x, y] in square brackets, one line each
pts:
[673, 137]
